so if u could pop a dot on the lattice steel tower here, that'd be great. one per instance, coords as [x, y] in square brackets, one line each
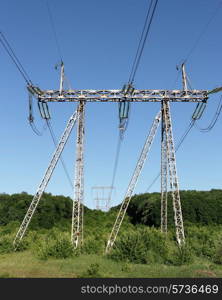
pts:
[168, 161]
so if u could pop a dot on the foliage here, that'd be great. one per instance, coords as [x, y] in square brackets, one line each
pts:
[92, 271]
[57, 247]
[203, 240]
[6, 245]
[218, 254]
[199, 207]
[93, 245]
[144, 245]
[51, 209]
[138, 241]
[183, 255]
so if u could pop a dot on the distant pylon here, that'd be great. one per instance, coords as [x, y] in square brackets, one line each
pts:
[101, 197]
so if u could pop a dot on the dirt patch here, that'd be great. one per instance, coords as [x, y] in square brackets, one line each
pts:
[205, 273]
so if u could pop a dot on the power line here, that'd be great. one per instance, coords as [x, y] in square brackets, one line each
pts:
[203, 31]
[219, 108]
[143, 38]
[54, 30]
[14, 58]
[140, 42]
[25, 76]
[126, 106]
[35, 129]
[214, 119]
[116, 162]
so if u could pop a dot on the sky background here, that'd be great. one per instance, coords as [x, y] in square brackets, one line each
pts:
[98, 41]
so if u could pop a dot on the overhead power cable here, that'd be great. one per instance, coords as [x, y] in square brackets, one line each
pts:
[14, 58]
[54, 30]
[219, 108]
[24, 74]
[143, 38]
[214, 119]
[116, 161]
[124, 107]
[203, 31]
[36, 130]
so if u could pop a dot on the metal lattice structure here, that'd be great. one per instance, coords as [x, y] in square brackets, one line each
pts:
[77, 212]
[164, 170]
[133, 182]
[174, 185]
[119, 95]
[168, 162]
[100, 199]
[45, 180]
[168, 159]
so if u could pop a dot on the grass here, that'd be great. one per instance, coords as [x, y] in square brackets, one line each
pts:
[47, 255]
[26, 265]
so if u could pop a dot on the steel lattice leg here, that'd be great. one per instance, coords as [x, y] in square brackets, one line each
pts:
[164, 170]
[133, 182]
[178, 218]
[77, 212]
[44, 181]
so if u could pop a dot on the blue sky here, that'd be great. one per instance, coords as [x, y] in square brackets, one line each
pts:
[98, 41]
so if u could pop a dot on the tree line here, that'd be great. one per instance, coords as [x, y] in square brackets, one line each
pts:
[198, 207]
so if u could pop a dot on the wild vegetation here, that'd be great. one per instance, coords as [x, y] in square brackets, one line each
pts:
[141, 250]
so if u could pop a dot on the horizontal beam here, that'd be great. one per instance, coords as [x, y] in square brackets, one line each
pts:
[119, 95]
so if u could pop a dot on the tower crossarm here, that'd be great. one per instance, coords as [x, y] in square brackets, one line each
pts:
[118, 95]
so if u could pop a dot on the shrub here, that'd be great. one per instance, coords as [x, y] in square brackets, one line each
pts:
[10, 228]
[183, 255]
[141, 246]
[5, 275]
[218, 255]
[93, 246]
[202, 240]
[6, 244]
[92, 271]
[57, 248]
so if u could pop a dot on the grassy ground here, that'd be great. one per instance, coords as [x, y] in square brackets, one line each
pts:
[26, 265]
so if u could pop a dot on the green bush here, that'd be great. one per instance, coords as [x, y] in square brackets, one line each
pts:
[6, 244]
[5, 275]
[93, 246]
[202, 240]
[183, 255]
[59, 247]
[92, 271]
[218, 254]
[141, 246]
[11, 227]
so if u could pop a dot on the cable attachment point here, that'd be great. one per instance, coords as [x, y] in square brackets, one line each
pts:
[44, 110]
[199, 110]
[124, 108]
[128, 89]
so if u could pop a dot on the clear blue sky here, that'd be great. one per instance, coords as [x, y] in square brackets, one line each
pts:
[98, 40]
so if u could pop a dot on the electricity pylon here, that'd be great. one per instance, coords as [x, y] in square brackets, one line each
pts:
[101, 200]
[168, 153]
